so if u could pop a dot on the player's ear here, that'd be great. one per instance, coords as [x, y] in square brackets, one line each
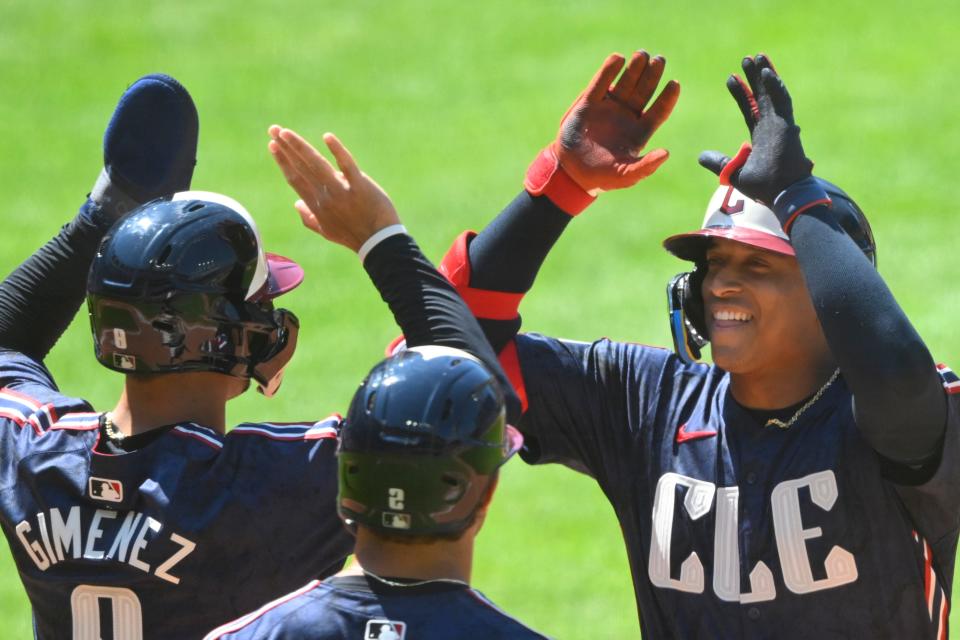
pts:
[485, 500]
[491, 488]
[480, 515]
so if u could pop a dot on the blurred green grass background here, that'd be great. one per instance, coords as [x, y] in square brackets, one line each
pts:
[445, 103]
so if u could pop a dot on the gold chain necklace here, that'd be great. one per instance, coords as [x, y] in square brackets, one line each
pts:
[774, 422]
[394, 583]
[112, 432]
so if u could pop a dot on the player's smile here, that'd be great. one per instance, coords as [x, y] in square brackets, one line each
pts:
[725, 318]
[724, 322]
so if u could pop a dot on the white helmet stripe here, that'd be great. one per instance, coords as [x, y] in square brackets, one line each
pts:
[262, 270]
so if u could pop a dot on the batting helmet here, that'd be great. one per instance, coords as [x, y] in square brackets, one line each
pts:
[183, 284]
[734, 216]
[425, 433]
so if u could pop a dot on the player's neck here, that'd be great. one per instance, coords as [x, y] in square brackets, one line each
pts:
[780, 389]
[440, 560]
[156, 401]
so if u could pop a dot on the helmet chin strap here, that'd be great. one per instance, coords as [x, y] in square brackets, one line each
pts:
[272, 385]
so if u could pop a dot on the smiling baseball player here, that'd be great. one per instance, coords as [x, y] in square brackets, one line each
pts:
[804, 485]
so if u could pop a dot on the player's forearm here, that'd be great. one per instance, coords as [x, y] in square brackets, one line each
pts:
[492, 270]
[427, 307]
[39, 299]
[509, 252]
[899, 400]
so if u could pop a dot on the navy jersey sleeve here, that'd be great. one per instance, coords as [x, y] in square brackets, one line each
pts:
[23, 378]
[587, 402]
[29, 405]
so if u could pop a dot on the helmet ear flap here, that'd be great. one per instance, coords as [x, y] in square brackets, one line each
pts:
[687, 321]
[269, 358]
[693, 301]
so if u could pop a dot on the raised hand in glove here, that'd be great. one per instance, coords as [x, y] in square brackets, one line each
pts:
[776, 159]
[602, 134]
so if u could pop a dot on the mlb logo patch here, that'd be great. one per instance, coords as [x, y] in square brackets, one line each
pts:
[396, 520]
[105, 489]
[385, 630]
[123, 361]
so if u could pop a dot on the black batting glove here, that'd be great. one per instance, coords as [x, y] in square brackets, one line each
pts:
[776, 160]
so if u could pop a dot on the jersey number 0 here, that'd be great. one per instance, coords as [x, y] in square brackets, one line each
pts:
[97, 610]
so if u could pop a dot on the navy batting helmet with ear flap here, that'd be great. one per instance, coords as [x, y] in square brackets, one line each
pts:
[424, 436]
[183, 284]
[734, 216]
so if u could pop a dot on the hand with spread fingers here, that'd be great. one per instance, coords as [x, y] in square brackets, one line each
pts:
[776, 160]
[603, 133]
[346, 206]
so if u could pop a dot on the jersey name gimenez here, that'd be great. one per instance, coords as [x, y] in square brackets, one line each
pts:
[170, 540]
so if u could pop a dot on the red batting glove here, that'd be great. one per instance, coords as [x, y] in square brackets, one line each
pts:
[598, 146]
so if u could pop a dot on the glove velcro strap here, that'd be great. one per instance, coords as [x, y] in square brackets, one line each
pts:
[797, 198]
[110, 200]
[395, 346]
[735, 163]
[486, 304]
[546, 177]
[510, 362]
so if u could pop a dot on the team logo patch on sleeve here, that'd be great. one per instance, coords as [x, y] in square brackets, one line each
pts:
[385, 630]
[105, 489]
[951, 382]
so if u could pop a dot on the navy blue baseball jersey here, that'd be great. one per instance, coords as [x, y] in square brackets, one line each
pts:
[167, 541]
[348, 607]
[735, 529]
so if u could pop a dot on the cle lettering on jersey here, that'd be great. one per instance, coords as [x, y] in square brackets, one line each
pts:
[53, 536]
[840, 566]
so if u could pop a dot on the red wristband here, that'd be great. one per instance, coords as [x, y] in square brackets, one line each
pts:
[546, 177]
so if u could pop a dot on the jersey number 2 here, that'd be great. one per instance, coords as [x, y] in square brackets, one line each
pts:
[105, 613]
[395, 499]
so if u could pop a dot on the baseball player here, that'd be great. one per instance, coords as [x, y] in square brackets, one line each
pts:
[804, 485]
[419, 456]
[147, 521]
